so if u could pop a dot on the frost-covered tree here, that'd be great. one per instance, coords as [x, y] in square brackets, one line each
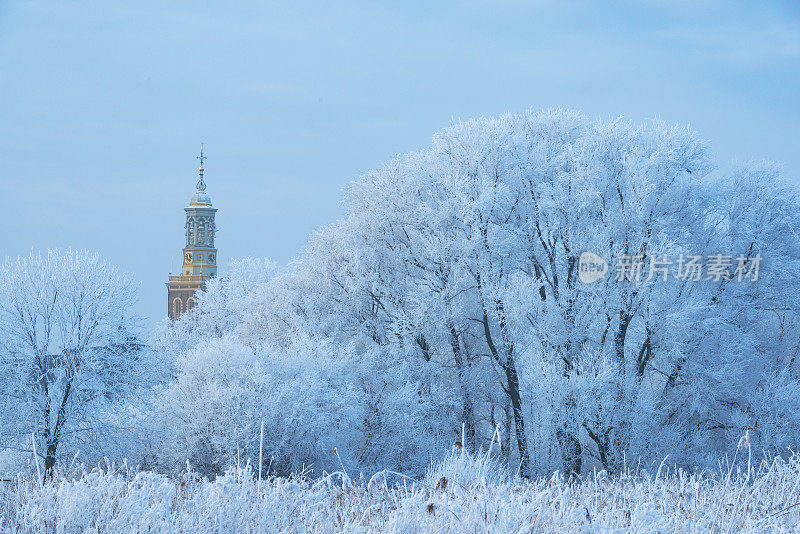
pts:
[67, 347]
[485, 230]
[314, 392]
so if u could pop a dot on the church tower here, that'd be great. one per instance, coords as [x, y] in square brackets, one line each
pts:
[199, 254]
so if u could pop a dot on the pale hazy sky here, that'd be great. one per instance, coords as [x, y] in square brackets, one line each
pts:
[103, 105]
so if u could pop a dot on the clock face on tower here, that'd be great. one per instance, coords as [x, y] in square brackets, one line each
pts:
[187, 257]
[212, 258]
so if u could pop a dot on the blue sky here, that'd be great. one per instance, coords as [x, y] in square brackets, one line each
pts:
[103, 105]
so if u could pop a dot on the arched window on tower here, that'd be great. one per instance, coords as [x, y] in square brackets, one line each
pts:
[177, 307]
[190, 303]
[189, 231]
[201, 233]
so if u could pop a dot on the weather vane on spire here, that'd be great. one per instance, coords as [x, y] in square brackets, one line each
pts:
[201, 185]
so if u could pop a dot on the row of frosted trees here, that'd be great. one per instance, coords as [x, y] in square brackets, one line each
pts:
[447, 306]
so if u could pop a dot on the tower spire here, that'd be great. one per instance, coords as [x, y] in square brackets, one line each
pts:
[201, 185]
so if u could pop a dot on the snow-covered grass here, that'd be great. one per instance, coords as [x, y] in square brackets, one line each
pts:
[462, 493]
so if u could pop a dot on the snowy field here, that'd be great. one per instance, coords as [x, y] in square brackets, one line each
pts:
[460, 494]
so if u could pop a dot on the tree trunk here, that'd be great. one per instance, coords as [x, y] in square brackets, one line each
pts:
[507, 431]
[625, 318]
[645, 354]
[467, 412]
[603, 448]
[506, 363]
[519, 421]
[571, 450]
[54, 438]
[512, 390]
[50, 459]
[612, 449]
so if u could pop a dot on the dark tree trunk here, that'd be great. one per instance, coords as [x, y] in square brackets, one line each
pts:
[422, 343]
[50, 459]
[567, 435]
[512, 390]
[54, 438]
[571, 450]
[645, 354]
[625, 318]
[507, 430]
[603, 448]
[519, 421]
[467, 412]
[568, 440]
[609, 449]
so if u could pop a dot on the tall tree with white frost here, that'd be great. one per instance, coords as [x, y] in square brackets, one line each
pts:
[66, 345]
[483, 232]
